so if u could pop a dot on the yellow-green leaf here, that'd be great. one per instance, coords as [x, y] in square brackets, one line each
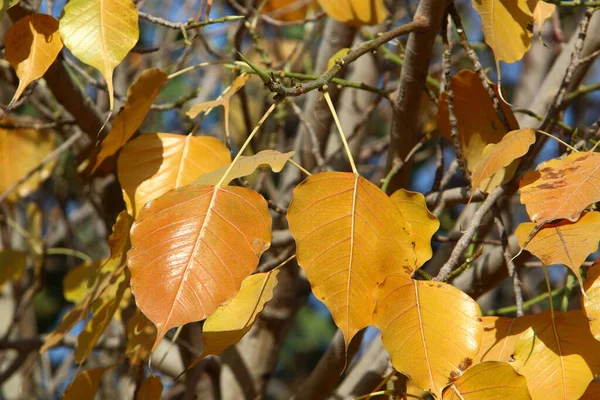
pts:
[432, 330]
[85, 385]
[100, 33]
[12, 265]
[151, 389]
[139, 99]
[32, 45]
[356, 12]
[489, 380]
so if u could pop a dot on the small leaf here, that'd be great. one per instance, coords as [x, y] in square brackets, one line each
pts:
[141, 334]
[431, 330]
[356, 12]
[199, 242]
[151, 389]
[12, 265]
[85, 385]
[591, 303]
[558, 357]
[349, 237]
[32, 45]
[499, 337]
[100, 33]
[80, 280]
[541, 11]
[489, 380]
[512, 146]
[562, 189]
[247, 166]
[139, 99]
[169, 161]
[563, 242]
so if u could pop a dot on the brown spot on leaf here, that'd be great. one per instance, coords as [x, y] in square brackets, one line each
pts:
[454, 375]
[466, 363]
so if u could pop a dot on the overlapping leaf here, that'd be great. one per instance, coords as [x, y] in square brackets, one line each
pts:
[505, 26]
[559, 357]
[591, 303]
[80, 280]
[151, 389]
[139, 99]
[85, 385]
[431, 330]
[541, 11]
[152, 164]
[32, 45]
[424, 224]
[141, 334]
[489, 380]
[562, 189]
[349, 237]
[100, 33]
[499, 337]
[356, 12]
[12, 265]
[199, 242]
[247, 166]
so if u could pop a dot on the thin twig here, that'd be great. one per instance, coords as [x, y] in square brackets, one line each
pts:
[512, 271]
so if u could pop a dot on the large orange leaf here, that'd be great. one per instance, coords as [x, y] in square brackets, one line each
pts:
[562, 189]
[431, 330]
[424, 224]
[21, 150]
[32, 45]
[505, 26]
[475, 129]
[140, 96]
[192, 248]
[500, 335]
[513, 145]
[489, 380]
[152, 164]
[85, 385]
[559, 357]
[247, 166]
[591, 303]
[356, 12]
[100, 33]
[564, 242]
[349, 237]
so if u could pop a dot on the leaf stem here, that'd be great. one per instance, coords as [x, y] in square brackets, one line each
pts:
[68, 252]
[568, 289]
[545, 268]
[558, 140]
[528, 304]
[340, 130]
[300, 167]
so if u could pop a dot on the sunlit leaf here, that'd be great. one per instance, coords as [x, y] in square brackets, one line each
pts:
[151, 389]
[119, 237]
[356, 12]
[79, 281]
[489, 380]
[287, 10]
[100, 33]
[141, 334]
[564, 242]
[558, 357]
[423, 223]
[349, 237]
[512, 146]
[500, 335]
[431, 330]
[562, 189]
[505, 26]
[199, 242]
[247, 166]
[21, 150]
[152, 164]
[32, 45]
[139, 99]
[591, 303]
[541, 11]
[85, 385]
[592, 392]
[68, 321]
[12, 265]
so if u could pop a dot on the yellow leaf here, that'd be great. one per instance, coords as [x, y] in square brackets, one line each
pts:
[423, 223]
[85, 385]
[32, 45]
[431, 330]
[169, 161]
[349, 237]
[139, 99]
[100, 33]
[151, 389]
[68, 321]
[21, 150]
[489, 380]
[562, 189]
[499, 337]
[541, 11]
[247, 166]
[558, 357]
[340, 54]
[505, 26]
[80, 280]
[356, 12]
[563, 242]
[500, 155]
[12, 265]
[141, 334]
[591, 303]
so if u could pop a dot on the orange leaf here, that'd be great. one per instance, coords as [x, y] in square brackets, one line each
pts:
[558, 357]
[512, 146]
[32, 45]
[140, 96]
[141, 334]
[499, 337]
[356, 12]
[85, 385]
[562, 189]
[431, 330]
[592, 392]
[489, 380]
[287, 10]
[563, 242]
[349, 237]
[151, 389]
[152, 164]
[192, 248]
[424, 224]
[475, 129]
[591, 303]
